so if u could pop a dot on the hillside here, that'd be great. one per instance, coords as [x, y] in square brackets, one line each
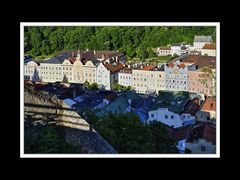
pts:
[132, 41]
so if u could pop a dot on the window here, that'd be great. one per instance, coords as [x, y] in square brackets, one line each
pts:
[152, 115]
[203, 148]
[172, 117]
[63, 68]
[208, 118]
[166, 116]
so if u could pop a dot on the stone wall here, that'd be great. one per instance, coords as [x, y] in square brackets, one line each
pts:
[48, 109]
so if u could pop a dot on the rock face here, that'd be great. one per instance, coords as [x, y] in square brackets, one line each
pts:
[48, 109]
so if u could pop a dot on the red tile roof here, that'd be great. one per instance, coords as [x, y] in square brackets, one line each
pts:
[205, 131]
[209, 105]
[170, 65]
[72, 59]
[148, 68]
[209, 46]
[181, 66]
[180, 133]
[114, 68]
[201, 61]
[192, 106]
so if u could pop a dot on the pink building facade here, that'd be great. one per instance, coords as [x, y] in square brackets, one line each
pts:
[195, 85]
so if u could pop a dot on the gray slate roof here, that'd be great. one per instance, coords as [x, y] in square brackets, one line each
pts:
[203, 39]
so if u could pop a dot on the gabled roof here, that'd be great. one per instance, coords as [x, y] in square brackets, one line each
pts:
[149, 68]
[114, 68]
[205, 131]
[181, 133]
[107, 54]
[192, 106]
[209, 46]
[53, 60]
[201, 61]
[171, 65]
[209, 104]
[203, 39]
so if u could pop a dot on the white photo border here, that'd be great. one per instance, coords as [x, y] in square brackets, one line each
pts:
[23, 24]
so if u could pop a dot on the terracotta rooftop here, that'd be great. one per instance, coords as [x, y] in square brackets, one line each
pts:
[205, 131]
[209, 105]
[114, 68]
[201, 61]
[192, 106]
[148, 68]
[181, 133]
[180, 65]
[72, 59]
[209, 46]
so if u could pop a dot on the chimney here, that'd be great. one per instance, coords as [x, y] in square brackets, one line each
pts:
[73, 54]
[79, 55]
[94, 52]
[103, 56]
[129, 66]
[141, 67]
[116, 58]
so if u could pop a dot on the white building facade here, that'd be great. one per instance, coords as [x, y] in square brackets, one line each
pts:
[103, 77]
[169, 118]
[176, 77]
[200, 41]
[32, 71]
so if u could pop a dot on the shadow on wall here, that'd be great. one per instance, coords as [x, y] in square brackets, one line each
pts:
[76, 130]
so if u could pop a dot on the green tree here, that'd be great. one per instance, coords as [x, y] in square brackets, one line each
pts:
[125, 133]
[117, 87]
[93, 86]
[163, 142]
[65, 79]
[208, 79]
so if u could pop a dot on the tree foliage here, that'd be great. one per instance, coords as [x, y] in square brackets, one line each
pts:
[46, 139]
[127, 134]
[133, 41]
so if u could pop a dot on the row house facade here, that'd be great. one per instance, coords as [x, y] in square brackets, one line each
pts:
[77, 68]
[148, 79]
[175, 77]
